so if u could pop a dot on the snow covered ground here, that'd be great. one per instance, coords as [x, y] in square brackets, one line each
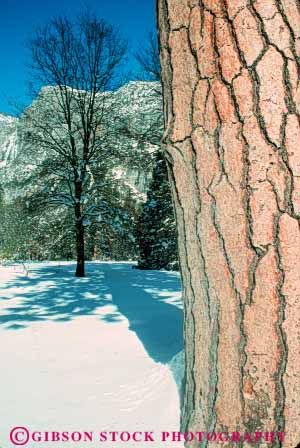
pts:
[89, 354]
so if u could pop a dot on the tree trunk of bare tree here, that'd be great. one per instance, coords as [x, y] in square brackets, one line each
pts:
[80, 268]
[230, 72]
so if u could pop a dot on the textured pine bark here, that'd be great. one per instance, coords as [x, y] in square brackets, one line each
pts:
[230, 73]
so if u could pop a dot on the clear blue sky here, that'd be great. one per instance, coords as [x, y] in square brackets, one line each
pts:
[17, 18]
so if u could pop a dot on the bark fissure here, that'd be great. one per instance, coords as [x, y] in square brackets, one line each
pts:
[208, 415]
[280, 403]
[189, 393]
[213, 320]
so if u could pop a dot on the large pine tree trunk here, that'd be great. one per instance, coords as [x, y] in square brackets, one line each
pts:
[232, 102]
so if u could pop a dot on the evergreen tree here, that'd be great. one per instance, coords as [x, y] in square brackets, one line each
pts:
[156, 229]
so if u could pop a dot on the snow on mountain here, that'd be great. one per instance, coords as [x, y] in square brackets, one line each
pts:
[8, 138]
[139, 105]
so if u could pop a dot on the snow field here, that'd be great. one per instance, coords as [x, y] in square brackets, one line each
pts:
[90, 354]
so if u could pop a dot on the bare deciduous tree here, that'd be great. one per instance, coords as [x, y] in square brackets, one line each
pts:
[147, 57]
[79, 61]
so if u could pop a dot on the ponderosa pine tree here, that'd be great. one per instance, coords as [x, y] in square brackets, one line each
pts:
[230, 71]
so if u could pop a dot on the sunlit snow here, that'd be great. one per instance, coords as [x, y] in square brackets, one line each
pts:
[94, 354]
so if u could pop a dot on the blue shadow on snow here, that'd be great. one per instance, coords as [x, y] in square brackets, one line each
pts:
[52, 293]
